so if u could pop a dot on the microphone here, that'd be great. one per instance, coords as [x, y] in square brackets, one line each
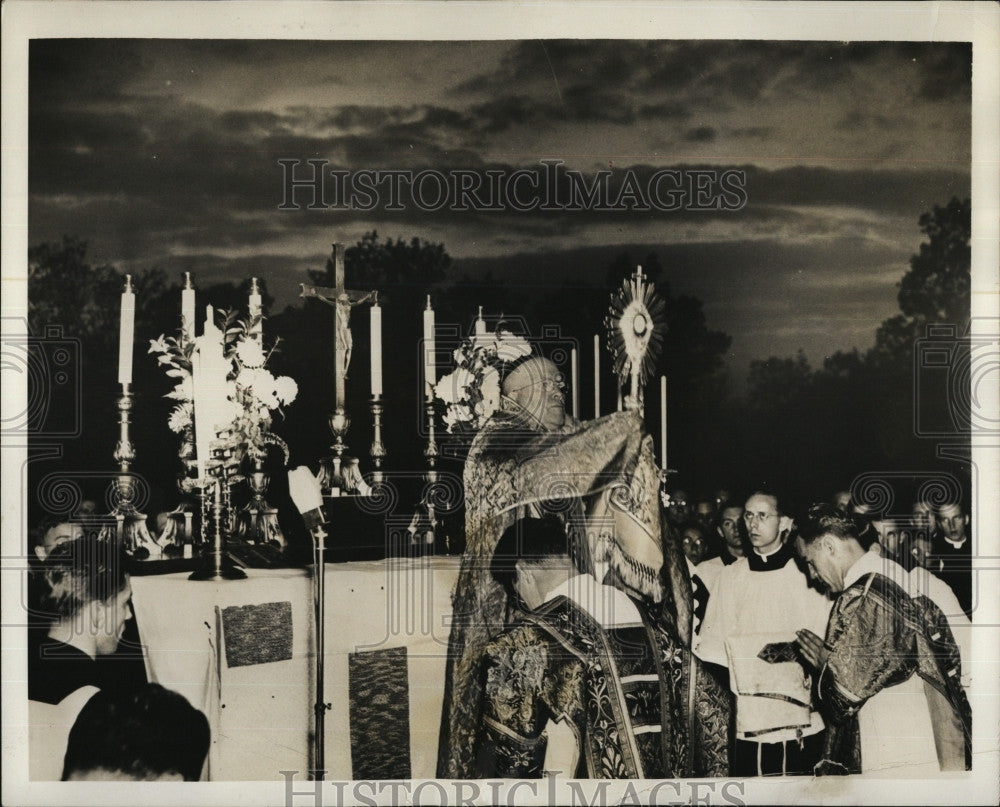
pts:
[304, 488]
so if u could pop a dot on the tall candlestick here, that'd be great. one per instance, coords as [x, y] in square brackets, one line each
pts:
[126, 334]
[430, 370]
[376, 349]
[480, 323]
[663, 422]
[187, 308]
[619, 399]
[574, 385]
[256, 309]
[597, 376]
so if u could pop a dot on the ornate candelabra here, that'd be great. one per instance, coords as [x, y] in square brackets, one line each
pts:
[431, 452]
[431, 476]
[213, 492]
[130, 525]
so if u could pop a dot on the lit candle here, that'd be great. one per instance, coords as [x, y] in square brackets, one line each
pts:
[663, 421]
[126, 334]
[430, 371]
[597, 376]
[376, 349]
[256, 308]
[187, 308]
[480, 323]
[575, 390]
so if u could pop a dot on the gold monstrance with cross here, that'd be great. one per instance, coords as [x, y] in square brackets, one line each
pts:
[343, 300]
[635, 327]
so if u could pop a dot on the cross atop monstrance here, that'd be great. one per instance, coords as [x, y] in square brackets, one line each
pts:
[343, 300]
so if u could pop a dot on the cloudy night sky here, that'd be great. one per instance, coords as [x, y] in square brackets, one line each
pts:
[164, 153]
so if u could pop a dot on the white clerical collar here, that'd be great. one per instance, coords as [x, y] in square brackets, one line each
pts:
[609, 606]
[957, 544]
[764, 557]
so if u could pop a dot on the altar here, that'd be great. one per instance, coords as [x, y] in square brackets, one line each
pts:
[242, 651]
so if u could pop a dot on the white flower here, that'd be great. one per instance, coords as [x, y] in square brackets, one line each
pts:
[158, 345]
[455, 414]
[232, 412]
[510, 347]
[285, 389]
[250, 353]
[260, 384]
[490, 390]
[180, 418]
[454, 387]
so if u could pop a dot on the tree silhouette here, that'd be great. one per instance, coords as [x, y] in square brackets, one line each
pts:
[814, 430]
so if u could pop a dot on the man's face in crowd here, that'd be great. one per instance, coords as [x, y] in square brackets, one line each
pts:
[924, 516]
[538, 387]
[763, 523]
[953, 522]
[842, 500]
[888, 535]
[679, 509]
[111, 619]
[729, 529]
[693, 545]
[59, 534]
[705, 512]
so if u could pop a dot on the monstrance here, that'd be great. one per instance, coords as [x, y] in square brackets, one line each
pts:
[635, 328]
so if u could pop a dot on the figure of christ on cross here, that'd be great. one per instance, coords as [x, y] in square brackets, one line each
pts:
[342, 300]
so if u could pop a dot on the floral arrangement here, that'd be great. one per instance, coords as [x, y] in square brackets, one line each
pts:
[471, 393]
[252, 393]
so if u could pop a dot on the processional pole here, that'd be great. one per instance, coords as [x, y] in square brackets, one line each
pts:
[307, 495]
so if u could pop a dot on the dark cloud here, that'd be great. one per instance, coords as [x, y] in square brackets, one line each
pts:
[668, 110]
[588, 102]
[700, 134]
[756, 132]
[947, 72]
[856, 119]
[151, 176]
[55, 67]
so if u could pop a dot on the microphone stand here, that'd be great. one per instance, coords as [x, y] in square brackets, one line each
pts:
[319, 603]
[306, 493]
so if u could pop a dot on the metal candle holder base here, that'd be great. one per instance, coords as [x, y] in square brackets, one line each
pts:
[131, 531]
[331, 476]
[258, 521]
[217, 565]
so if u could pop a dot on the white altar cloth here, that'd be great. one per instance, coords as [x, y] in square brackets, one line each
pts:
[262, 714]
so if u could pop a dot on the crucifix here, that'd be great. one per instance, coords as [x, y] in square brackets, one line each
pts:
[343, 300]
